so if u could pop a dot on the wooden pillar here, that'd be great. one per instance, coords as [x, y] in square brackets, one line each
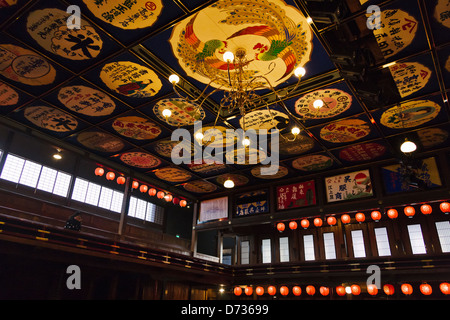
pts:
[194, 231]
[125, 203]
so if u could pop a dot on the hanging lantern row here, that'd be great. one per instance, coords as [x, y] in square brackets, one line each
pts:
[360, 217]
[354, 289]
[142, 188]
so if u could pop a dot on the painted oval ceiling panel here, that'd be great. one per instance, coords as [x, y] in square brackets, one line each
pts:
[275, 37]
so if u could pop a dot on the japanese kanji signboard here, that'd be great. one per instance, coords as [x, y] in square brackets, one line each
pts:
[400, 179]
[349, 186]
[296, 195]
[253, 202]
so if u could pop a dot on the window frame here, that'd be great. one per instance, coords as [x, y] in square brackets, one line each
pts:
[338, 241]
[348, 228]
[36, 186]
[438, 240]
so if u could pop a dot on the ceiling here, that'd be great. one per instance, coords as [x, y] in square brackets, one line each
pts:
[102, 87]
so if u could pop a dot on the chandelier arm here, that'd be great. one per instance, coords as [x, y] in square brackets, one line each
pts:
[201, 94]
[279, 131]
[280, 99]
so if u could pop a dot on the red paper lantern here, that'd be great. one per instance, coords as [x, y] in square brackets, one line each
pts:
[259, 291]
[175, 201]
[99, 171]
[152, 192]
[160, 194]
[392, 213]
[310, 290]
[237, 291]
[324, 291]
[345, 218]
[409, 211]
[135, 185]
[272, 290]
[445, 207]
[121, 180]
[110, 176]
[183, 203]
[168, 197]
[296, 290]
[360, 217]
[304, 223]
[318, 222]
[389, 289]
[406, 289]
[292, 225]
[445, 288]
[281, 226]
[340, 290]
[426, 209]
[372, 289]
[375, 215]
[331, 221]
[284, 291]
[356, 290]
[426, 289]
[143, 188]
[248, 291]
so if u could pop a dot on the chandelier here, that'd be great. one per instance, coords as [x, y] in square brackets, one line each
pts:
[239, 94]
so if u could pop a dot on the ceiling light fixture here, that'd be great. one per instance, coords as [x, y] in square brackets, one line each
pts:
[228, 183]
[166, 113]
[408, 146]
[239, 93]
[246, 142]
[318, 104]
[57, 155]
[295, 131]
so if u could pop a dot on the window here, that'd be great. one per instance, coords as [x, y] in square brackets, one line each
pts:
[416, 239]
[382, 240]
[443, 229]
[97, 195]
[284, 249]
[330, 250]
[144, 210]
[358, 244]
[245, 252]
[266, 251]
[34, 175]
[12, 168]
[30, 174]
[308, 245]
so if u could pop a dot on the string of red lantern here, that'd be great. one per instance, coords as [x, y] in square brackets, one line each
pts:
[360, 217]
[388, 289]
[99, 171]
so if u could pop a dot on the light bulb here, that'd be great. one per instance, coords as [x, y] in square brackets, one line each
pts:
[348, 290]
[228, 56]
[299, 72]
[318, 104]
[246, 142]
[228, 183]
[408, 146]
[199, 136]
[57, 155]
[166, 113]
[174, 79]
[295, 131]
